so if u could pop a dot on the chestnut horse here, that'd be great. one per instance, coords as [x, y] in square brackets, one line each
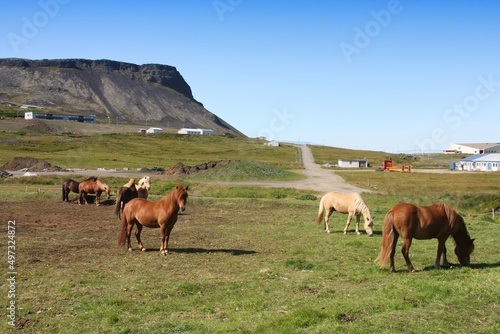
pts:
[352, 204]
[92, 187]
[161, 214]
[71, 185]
[424, 222]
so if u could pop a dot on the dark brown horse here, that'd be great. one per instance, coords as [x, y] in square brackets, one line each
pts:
[425, 222]
[123, 196]
[161, 214]
[92, 187]
[71, 185]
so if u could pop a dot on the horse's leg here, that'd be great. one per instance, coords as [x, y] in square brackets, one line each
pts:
[130, 226]
[167, 237]
[393, 250]
[138, 236]
[349, 217]
[357, 224]
[164, 240]
[327, 217]
[441, 252]
[405, 250]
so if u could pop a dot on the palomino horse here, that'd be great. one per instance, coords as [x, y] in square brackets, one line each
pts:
[92, 187]
[351, 204]
[143, 187]
[425, 222]
[124, 195]
[71, 185]
[161, 214]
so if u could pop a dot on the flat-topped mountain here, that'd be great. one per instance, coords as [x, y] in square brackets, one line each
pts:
[151, 93]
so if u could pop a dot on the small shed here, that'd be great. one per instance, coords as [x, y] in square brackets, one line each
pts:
[272, 143]
[357, 163]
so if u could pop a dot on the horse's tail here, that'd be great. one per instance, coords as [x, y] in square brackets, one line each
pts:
[118, 204]
[63, 192]
[123, 232]
[388, 237]
[321, 211]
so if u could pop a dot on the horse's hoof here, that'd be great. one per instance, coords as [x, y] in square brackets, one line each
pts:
[130, 249]
[143, 249]
[328, 231]
[358, 233]
[345, 232]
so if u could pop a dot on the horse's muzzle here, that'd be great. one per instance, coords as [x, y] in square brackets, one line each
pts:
[182, 208]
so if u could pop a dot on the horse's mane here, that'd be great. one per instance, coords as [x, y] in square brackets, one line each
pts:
[129, 183]
[455, 219]
[359, 204]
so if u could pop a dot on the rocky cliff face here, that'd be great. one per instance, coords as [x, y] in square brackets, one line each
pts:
[152, 93]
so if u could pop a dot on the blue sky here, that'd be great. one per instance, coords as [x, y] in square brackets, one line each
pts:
[395, 76]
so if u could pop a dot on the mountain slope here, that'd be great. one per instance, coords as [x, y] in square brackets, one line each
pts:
[150, 93]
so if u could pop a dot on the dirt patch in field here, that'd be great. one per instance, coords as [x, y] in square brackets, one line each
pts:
[181, 169]
[31, 165]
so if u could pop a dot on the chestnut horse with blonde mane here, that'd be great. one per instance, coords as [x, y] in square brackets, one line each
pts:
[130, 191]
[161, 214]
[92, 187]
[352, 204]
[424, 222]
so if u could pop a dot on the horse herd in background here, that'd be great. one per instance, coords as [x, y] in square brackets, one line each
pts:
[437, 221]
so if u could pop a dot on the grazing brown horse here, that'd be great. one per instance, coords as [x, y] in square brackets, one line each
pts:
[123, 196]
[424, 222]
[71, 185]
[92, 187]
[161, 214]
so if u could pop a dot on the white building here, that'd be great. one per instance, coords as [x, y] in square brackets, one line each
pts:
[358, 163]
[489, 162]
[187, 131]
[154, 130]
[272, 143]
[477, 148]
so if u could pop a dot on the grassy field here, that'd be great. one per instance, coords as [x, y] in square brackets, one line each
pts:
[242, 259]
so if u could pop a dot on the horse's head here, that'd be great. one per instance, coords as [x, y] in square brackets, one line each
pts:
[463, 250]
[104, 187]
[144, 183]
[181, 196]
[368, 223]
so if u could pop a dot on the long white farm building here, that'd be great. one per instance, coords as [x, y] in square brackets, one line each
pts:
[187, 131]
[489, 162]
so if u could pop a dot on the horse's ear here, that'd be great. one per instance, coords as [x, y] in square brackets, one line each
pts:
[187, 187]
[472, 240]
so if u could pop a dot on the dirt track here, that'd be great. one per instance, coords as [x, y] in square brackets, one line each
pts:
[318, 179]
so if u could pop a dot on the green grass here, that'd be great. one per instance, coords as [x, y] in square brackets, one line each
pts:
[135, 150]
[232, 270]
[242, 259]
